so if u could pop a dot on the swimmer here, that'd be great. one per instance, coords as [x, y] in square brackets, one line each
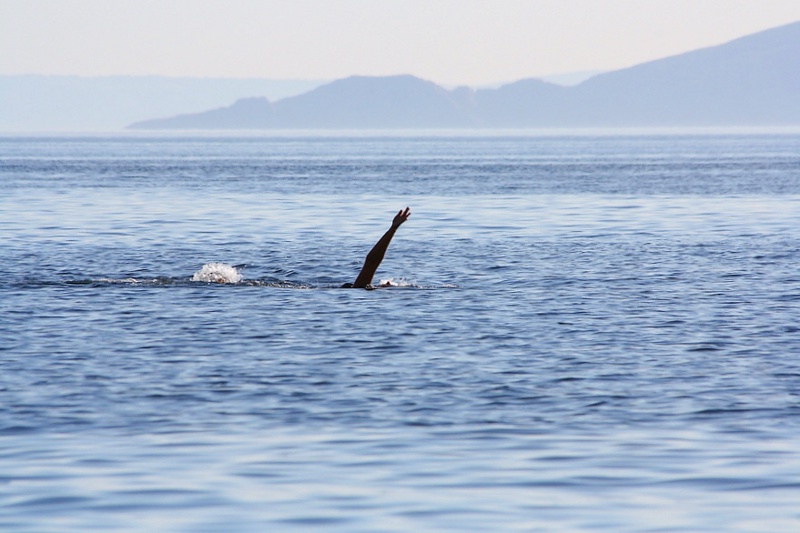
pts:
[375, 256]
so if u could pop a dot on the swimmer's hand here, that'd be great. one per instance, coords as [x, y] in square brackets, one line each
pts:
[401, 217]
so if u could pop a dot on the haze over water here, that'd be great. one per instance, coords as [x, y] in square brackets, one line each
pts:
[588, 332]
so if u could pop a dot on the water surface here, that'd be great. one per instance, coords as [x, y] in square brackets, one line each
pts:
[587, 333]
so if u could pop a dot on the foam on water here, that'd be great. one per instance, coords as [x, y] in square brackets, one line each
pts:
[397, 282]
[223, 273]
[217, 273]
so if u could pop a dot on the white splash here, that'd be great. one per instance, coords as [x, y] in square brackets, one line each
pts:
[217, 273]
[396, 282]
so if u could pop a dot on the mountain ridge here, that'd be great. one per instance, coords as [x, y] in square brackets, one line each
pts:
[752, 80]
[50, 103]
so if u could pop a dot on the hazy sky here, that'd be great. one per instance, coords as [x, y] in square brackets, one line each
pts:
[447, 41]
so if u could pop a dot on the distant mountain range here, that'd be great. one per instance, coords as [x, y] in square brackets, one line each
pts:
[36, 103]
[752, 81]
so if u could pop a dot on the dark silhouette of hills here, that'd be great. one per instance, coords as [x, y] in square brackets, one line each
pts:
[370, 102]
[107, 103]
[754, 80]
[354, 102]
[525, 103]
[245, 113]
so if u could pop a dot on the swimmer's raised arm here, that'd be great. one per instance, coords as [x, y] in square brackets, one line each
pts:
[375, 256]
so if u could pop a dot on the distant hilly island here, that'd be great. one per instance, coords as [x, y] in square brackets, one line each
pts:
[39, 103]
[751, 81]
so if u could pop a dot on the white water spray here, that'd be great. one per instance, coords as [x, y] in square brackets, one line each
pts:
[217, 273]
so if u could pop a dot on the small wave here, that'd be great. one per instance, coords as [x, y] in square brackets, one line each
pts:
[403, 283]
[223, 273]
[123, 281]
[217, 273]
[278, 284]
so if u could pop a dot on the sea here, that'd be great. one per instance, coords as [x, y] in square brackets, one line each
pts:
[586, 330]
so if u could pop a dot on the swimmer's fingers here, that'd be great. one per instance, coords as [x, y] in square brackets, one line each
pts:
[401, 216]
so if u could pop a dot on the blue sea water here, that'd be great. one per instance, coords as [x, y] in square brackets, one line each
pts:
[587, 332]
